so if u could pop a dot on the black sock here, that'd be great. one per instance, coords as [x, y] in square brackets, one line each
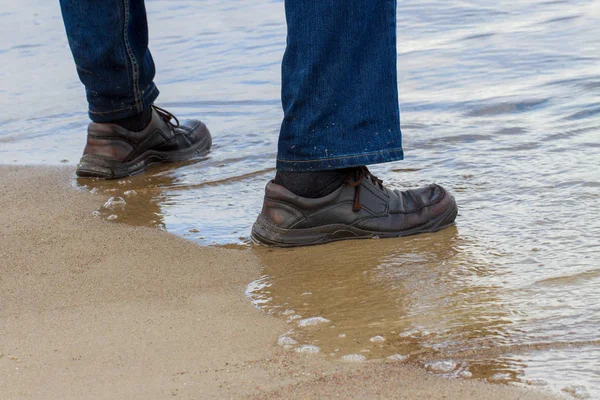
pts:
[311, 184]
[136, 122]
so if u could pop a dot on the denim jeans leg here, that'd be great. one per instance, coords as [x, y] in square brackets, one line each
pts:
[339, 85]
[109, 42]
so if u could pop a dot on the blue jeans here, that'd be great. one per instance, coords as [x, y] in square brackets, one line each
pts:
[339, 85]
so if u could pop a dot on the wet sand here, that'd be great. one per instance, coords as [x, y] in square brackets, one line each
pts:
[93, 309]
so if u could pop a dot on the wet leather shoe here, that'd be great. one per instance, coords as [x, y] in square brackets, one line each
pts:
[114, 152]
[361, 208]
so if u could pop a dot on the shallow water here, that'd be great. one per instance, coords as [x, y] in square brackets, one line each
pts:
[500, 103]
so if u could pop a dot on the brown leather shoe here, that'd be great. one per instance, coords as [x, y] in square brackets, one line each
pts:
[114, 152]
[361, 208]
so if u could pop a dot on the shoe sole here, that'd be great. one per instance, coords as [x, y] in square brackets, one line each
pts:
[96, 167]
[265, 232]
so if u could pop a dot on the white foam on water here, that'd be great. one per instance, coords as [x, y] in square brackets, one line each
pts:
[500, 377]
[441, 366]
[130, 193]
[578, 392]
[313, 321]
[465, 374]
[286, 341]
[115, 203]
[377, 339]
[293, 317]
[397, 358]
[308, 348]
[111, 217]
[353, 358]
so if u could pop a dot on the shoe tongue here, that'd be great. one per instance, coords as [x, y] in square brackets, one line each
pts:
[356, 175]
[166, 116]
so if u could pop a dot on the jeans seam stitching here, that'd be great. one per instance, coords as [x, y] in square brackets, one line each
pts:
[134, 64]
[120, 109]
[106, 112]
[341, 157]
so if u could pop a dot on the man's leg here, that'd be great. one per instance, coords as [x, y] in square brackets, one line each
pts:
[340, 105]
[109, 42]
[339, 93]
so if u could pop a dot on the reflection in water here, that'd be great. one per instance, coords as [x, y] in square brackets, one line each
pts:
[500, 103]
[154, 199]
[427, 299]
[416, 297]
[136, 200]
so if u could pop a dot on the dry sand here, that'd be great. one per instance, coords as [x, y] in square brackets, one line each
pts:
[91, 309]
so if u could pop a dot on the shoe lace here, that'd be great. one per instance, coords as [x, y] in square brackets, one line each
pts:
[166, 116]
[355, 179]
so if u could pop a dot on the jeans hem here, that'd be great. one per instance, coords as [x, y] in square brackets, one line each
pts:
[353, 160]
[127, 109]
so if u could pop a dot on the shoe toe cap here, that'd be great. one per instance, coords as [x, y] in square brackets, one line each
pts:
[421, 206]
[195, 130]
[442, 206]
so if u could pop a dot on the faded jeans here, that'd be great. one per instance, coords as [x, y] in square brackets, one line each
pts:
[339, 86]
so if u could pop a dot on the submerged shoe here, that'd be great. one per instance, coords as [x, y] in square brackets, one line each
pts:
[114, 152]
[361, 208]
